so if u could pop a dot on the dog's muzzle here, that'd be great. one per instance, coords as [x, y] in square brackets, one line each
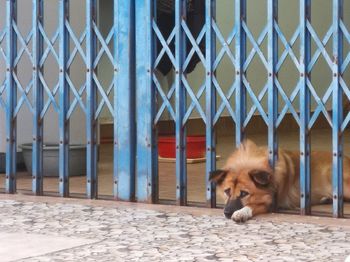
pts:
[232, 206]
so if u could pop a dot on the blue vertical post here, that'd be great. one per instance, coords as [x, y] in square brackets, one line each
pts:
[64, 99]
[241, 106]
[180, 104]
[37, 166]
[305, 54]
[124, 104]
[272, 17]
[11, 144]
[91, 123]
[210, 101]
[337, 134]
[147, 176]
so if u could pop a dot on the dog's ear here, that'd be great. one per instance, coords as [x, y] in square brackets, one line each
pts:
[218, 176]
[260, 177]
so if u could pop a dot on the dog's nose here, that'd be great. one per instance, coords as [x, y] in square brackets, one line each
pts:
[228, 214]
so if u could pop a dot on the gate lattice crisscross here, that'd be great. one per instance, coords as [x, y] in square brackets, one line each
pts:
[225, 43]
[255, 50]
[103, 50]
[344, 66]
[2, 57]
[166, 97]
[321, 50]
[194, 97]
[137, 98]
[49, 50]
[288, 51]
[77, 50]
[24, 90]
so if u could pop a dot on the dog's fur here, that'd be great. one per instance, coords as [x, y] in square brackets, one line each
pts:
[250, 186]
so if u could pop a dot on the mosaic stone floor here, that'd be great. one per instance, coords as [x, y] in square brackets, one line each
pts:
[137, 233]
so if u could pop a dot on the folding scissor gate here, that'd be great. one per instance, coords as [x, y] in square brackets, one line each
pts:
[136, 100]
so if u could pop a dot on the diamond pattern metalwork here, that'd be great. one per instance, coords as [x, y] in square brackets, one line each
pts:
[166, 97]
[224, 50]
[345, 86]
[50, 42]
[76, 50]
[24, 90]
[3, 82]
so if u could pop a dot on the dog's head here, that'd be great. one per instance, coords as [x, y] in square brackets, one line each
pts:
[246, 180]
[244, 188]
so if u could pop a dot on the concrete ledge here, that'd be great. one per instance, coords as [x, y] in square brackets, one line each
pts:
[196, 211]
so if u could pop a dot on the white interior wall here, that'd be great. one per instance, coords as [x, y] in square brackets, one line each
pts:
[256, 74]
[77, 74]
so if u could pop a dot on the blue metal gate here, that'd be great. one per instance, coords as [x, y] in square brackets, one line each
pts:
[138, 46]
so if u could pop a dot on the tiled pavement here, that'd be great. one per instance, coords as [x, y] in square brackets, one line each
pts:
[111, 231]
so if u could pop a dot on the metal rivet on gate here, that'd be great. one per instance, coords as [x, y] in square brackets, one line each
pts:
[61, 70]
[302, 195]
[7, 69]
[208, 189]
[208, 73]
[88, 181]
[177, 187]
[302, 153]
[7, 177]
[61, 180]
[33, 177]
[149, 184]
[34, 68]
[115, 70]
[88, 142]
[115, 182]
[34, 139]
[302, 75]
[148, 145]
[177, 147]
[334, 154]
[335, 74]
[270, 151]
[176, 71]
[61, 142]
[208, 148]
[270, 74]
[335, 196]
[148, 70]
[7, 139]
[237, 72]
[87, 70]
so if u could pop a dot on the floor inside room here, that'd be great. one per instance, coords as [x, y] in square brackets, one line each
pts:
[321, 140]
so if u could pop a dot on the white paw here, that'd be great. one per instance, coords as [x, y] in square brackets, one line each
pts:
[242, 215]
[326, 200]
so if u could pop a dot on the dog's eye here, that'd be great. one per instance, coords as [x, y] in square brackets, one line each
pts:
[227, 192]
[243, 194]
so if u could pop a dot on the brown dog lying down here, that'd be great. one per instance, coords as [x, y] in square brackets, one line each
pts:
[251, 187]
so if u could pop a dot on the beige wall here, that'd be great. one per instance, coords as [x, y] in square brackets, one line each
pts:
[24, 120]
[288, 21]
[256, 75]
[256, 19]
[288, 76]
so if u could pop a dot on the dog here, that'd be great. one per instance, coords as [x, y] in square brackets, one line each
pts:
[250, 186]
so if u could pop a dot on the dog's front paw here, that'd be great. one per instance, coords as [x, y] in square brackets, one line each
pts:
[242, 215]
